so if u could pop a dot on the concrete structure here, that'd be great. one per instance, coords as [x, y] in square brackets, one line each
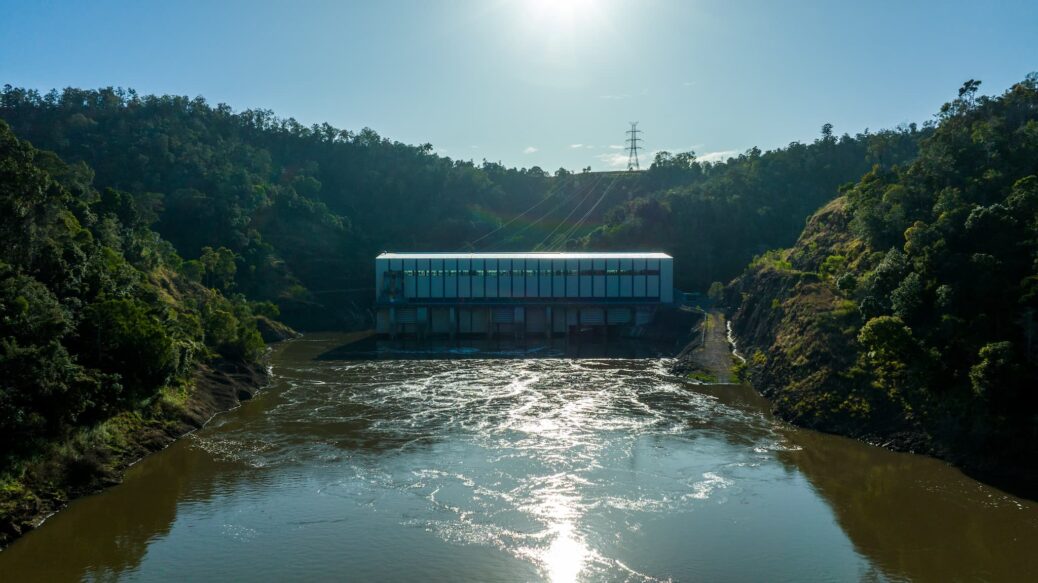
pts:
[518, 293]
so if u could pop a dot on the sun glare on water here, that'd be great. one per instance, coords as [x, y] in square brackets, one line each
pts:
[566, 556]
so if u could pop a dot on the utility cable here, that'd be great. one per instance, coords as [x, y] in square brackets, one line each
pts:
[565, 236]
[563, 222]
[551, 193]
[550, 212]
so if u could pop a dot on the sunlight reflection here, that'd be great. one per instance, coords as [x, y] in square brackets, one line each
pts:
[565, 558]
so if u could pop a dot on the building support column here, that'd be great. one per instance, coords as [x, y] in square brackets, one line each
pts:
[452, 322]
[550, 324]
[392, 323]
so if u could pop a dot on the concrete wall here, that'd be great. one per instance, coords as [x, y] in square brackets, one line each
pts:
[477, 320]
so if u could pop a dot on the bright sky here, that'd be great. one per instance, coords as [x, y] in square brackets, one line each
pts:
[539, 82]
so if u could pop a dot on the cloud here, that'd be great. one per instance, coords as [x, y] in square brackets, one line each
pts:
[615, 147]
[720, 156]
[529, 150]
[574, 146]
[688, 83]
[614, 159]
[582, 146]
[613, 97]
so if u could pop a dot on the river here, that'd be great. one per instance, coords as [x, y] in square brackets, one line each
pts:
[480, 466]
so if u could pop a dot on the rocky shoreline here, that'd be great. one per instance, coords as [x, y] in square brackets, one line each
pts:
[85, 468]
[708, 358]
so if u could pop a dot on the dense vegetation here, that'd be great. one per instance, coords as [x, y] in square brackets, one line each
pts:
[716, 217]
[299, 211]
[97, 324]
[906, 310]
[906, 307]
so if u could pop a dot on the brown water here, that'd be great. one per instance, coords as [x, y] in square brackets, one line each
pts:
[523, 469]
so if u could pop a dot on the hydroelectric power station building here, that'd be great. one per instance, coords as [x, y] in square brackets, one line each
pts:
[518, 293]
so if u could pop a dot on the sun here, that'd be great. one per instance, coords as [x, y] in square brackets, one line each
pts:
[559, 14]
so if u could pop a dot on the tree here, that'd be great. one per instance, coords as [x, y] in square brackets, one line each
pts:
[124, 338]
[995, 371]
[886, 339]
[219, 267]
[968, 92]
[716, 291]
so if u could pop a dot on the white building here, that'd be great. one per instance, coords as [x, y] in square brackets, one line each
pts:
[467, 293]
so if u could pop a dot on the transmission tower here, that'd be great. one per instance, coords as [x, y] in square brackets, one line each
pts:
[632, 146]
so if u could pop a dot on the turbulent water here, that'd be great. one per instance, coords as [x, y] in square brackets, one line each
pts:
[387, 467]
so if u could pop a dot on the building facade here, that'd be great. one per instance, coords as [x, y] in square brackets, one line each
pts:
[518, 293]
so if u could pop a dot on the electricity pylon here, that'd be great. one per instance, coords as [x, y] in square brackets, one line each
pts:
[632, 146]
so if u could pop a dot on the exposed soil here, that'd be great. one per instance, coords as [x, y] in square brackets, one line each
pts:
[708, 358]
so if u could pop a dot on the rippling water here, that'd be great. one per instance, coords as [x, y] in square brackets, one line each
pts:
[524, 469]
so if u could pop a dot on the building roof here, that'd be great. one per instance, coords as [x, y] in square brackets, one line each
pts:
[549, 255]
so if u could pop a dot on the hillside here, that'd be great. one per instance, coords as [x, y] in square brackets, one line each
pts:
[714, 217]
[300, 211]
[905, 312]
[107, 349]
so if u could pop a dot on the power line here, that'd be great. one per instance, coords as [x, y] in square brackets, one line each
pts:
[551, 193]
[565, 236]
[550, 212]
[557, 227]
[632, 146]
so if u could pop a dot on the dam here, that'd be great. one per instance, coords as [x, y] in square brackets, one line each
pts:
[545, 294]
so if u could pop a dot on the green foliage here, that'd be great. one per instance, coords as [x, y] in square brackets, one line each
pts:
[847, 282]
[218, 267]
[92, 322]
[716, 291]
[886, 339]
[942, 262]
[716, 216]
[833, 265]
[303, 209]
[996, 369]
[740, 370]
[907, 298]
[703, 377]
[276, 210]
[230, 328]
[774, 259]
[123, 337]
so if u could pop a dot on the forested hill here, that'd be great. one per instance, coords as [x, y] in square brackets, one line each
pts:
[906, 311]
[299, 211]
[713, 218]
[100, 334]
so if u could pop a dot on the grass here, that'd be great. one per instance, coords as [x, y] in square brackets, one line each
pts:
[703, 377]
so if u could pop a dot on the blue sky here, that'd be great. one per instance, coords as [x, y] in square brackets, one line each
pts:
[539, 82]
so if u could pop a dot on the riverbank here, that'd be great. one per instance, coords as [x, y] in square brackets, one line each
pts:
[708, 358]
[793, 328]
[95, 458]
